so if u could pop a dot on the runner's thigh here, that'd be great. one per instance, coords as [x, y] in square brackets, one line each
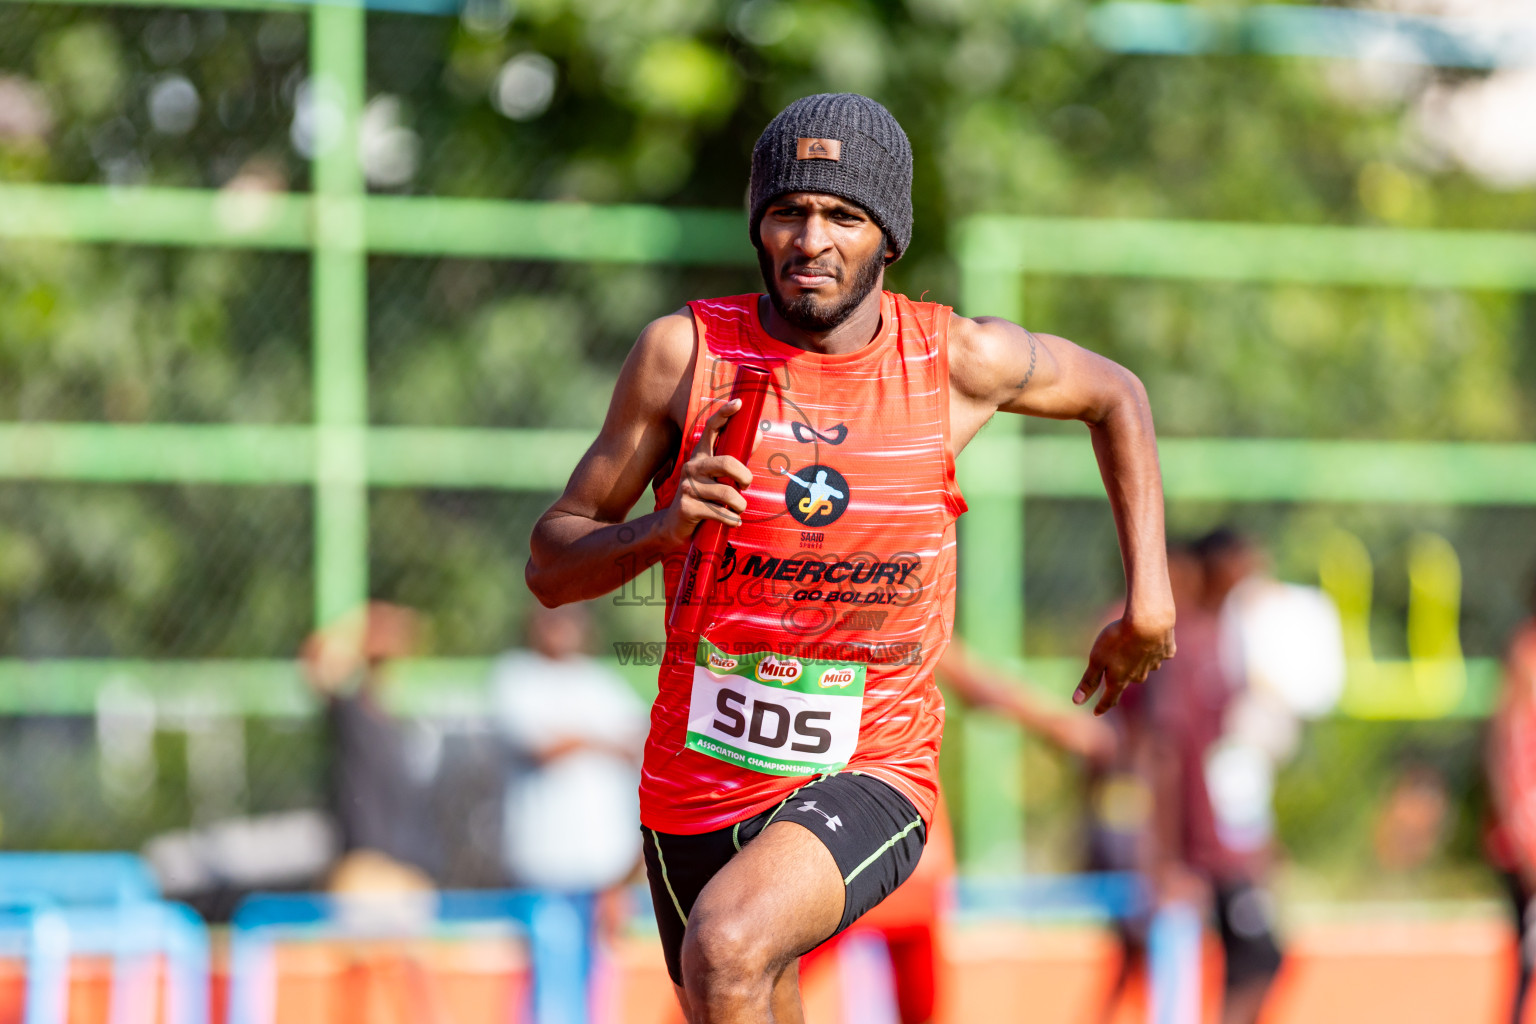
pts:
[778, 898]
[872, 831]
[871, 838]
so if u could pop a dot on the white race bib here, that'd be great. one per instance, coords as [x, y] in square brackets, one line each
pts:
[774, 713]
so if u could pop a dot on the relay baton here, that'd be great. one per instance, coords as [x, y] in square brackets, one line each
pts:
[704, 555]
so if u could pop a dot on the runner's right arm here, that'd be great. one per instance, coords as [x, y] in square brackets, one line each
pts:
[582, 547]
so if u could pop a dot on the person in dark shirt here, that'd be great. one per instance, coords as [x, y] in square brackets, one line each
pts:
[1188, 700]
[1120, 798]
[379, 809]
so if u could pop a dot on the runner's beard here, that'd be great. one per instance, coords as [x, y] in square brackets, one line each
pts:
[809, 313]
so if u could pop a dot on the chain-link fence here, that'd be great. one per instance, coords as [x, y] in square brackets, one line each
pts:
[123, 598]
[151, 681]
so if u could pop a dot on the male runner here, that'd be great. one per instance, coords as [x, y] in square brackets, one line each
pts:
[791, 768]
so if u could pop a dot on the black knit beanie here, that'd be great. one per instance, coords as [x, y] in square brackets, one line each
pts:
[842, 144]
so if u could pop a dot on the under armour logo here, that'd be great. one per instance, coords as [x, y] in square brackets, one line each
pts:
[833, 821]
[805, 435]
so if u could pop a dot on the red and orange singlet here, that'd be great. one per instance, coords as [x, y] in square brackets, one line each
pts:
[835, 598]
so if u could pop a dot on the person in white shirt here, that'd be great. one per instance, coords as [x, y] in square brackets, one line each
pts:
[576, 729]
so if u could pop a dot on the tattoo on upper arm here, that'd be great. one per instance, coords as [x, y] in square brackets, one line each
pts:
[1034, 354]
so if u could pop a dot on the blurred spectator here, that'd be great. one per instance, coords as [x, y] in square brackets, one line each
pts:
[1120, 797]
[380, 810]
[1199, 843]
[572, 811]
[1411, 824]
[25, 114]
[1512, 779]
[1253, 727]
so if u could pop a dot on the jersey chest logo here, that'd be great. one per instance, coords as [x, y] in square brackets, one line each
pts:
[806, 434]
[816, 495]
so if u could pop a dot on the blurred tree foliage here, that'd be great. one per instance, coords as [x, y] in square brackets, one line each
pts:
[1010, 108]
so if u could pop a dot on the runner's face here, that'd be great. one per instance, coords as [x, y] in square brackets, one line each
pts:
[821, 256]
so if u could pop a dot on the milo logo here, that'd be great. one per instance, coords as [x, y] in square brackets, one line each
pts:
[836, 677]
[720, 662]
[773, 669]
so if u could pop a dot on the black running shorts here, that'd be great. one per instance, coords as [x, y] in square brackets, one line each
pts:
[1245, 920]
[873, 832]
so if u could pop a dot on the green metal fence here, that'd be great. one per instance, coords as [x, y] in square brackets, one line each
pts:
[340, 457]
[1001, 468]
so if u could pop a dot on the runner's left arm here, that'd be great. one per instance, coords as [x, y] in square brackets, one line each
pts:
[997, 366]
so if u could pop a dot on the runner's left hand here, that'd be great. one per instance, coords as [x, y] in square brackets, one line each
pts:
[1122, 655]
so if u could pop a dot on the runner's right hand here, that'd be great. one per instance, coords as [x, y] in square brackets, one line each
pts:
[700, 494]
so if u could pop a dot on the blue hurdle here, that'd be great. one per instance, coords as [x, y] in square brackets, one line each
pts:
[1173, 944]
[59, 904]
[558, 928]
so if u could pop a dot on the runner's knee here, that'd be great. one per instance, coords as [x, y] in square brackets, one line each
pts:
[725, 953]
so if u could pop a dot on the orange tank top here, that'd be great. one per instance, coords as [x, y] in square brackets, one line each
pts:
[835, 598]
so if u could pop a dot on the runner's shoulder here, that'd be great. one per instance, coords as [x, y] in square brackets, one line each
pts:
[984, 353]
[660, 364]
[665, 345]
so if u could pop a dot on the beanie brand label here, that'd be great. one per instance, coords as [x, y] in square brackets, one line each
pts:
[818, 149]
